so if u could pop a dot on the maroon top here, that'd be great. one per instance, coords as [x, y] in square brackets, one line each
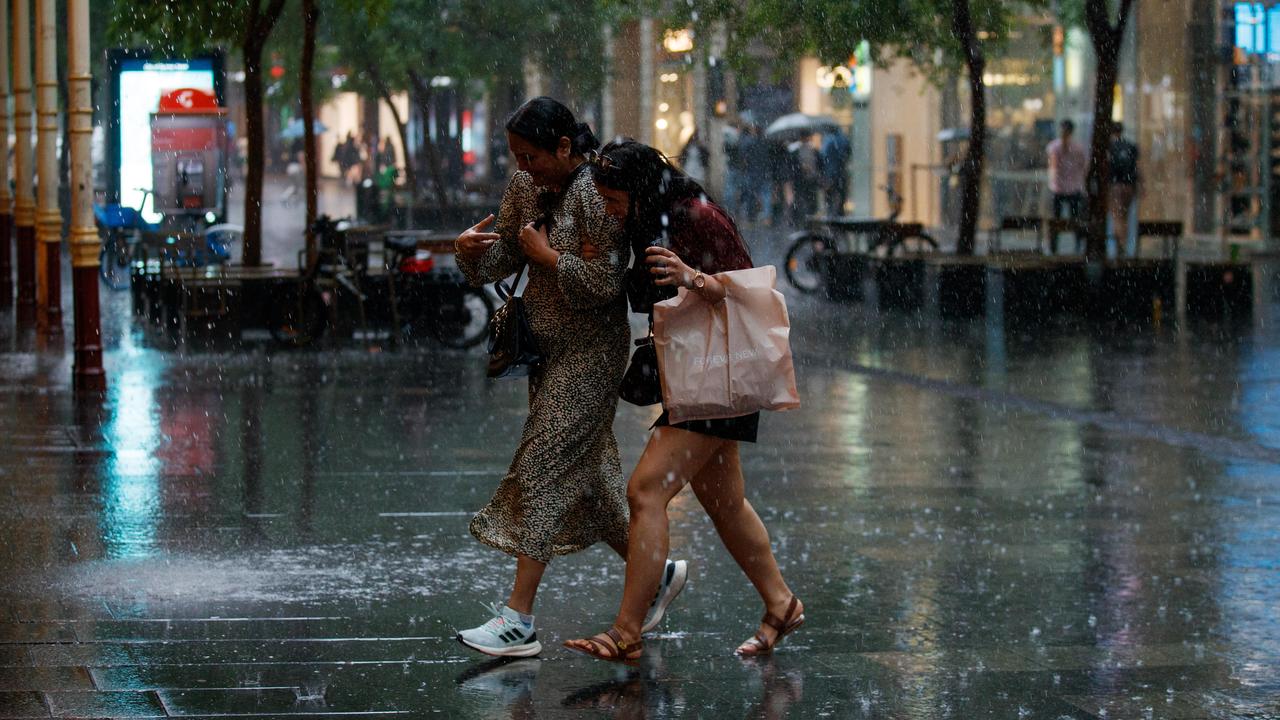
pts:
[705, 238]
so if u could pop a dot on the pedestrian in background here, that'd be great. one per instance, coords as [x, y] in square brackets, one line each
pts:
[1067, 165]
[342, 153]
[1124, 187]
[781, 174]
[756, 193]
[564, 490]
[805, 179]
[734, 170]
[694, 158]
[387, 155]
[834, 158]
[686, 238]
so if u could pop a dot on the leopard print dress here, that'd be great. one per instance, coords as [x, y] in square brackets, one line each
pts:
[564, 490]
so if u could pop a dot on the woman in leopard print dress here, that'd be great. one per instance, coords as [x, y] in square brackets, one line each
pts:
[564, 490]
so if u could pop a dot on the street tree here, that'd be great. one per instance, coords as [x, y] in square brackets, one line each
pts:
[377, 43]
[306, 47]
[1107, 37]
[306, 93]
[188, 26]
[406, 46]
[940, 38]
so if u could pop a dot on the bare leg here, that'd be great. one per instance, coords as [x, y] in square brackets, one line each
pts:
[671, 458]
[528, 576]
[719, 487]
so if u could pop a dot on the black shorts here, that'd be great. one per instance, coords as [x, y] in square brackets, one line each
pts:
[741, 429]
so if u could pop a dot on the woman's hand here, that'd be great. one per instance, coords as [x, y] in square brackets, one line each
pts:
[537, 247]
[590, 251]
[474, 241]
[667, 268]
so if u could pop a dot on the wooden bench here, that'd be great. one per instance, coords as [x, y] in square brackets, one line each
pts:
[1017, 223]
[210, 296]
[1055, 227]
[1170, 232]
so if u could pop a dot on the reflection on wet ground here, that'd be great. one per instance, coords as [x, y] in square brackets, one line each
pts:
[1046, 522]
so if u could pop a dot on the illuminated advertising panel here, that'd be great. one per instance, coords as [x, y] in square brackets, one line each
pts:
[1257, 28]
[138, 81]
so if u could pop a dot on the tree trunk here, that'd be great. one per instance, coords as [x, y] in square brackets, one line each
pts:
[975, 158]
[257, 29]
[422, 91]
[1107, 40]
[252, 251]
[411, 176]
[310, 16]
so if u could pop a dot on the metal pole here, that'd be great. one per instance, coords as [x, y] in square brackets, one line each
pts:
[24, 212]
[6, 199]
[608, 110]
[48, 216]
[88, 372]
[647, 50]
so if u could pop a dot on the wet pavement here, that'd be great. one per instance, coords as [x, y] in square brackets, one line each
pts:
[1052, 521]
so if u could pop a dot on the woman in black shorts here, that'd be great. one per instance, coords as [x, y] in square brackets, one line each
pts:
[684, 239]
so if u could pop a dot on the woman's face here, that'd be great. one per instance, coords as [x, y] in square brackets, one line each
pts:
[616, 202]
[544, 167]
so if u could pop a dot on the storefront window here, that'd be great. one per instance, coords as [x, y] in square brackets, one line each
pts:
[1020, 121]
[673, 115]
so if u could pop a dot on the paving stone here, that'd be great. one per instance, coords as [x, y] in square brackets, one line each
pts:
[238, 701]
[96, 704]
[22, 705]
[14, 655]
[45, 678]
[25, 632]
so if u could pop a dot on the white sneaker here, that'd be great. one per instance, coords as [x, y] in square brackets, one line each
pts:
[505, 635]
[674, 576]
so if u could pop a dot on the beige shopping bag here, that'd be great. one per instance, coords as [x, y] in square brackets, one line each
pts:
[726, 359]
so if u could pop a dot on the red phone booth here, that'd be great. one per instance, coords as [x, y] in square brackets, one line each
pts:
[188, 153]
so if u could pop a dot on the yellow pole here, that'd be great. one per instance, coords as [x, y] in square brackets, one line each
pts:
[48, 215]
[84, 237]
[6, 200]
[24, 211]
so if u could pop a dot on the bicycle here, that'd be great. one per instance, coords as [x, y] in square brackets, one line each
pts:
[123, 228]
[119, 228]
[435, 302]
[414, 299]
[808, 258]
[301, 320]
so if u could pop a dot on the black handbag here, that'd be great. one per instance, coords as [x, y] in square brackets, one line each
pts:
[513, 350]
[640, 385]
[642, 292]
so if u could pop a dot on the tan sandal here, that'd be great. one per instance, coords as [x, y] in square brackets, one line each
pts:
[760, 645]
[617, 649]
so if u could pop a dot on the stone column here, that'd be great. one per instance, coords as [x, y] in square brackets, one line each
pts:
[48, 216]
[88, 373]
[24, 211]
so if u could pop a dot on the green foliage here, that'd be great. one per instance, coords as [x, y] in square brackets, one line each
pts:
[176, 26]
[919, 31]
[469, 40]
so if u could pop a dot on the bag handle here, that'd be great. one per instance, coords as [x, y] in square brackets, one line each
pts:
[507, 293]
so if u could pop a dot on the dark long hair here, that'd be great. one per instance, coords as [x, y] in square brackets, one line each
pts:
[653, 182]
[543, 121]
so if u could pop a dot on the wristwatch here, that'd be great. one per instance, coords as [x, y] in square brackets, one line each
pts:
[699, 281]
